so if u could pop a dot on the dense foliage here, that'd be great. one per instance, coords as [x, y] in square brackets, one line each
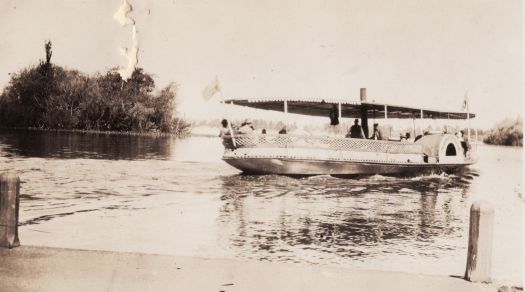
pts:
[51, 97]
[507, 132]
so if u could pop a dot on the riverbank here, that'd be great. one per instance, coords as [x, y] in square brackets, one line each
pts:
[31, 268]
[186, 133]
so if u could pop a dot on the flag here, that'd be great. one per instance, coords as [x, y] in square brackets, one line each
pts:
[464, 106]
[212, 89]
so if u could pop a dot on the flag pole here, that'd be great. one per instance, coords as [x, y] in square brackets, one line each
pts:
[468, 116]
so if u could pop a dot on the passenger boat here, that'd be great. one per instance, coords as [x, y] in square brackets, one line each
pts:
[308, 155]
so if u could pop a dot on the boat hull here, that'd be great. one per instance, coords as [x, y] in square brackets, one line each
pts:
[290, 166]
[291, 155]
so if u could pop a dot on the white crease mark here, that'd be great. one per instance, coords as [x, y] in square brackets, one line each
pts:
[123, 18]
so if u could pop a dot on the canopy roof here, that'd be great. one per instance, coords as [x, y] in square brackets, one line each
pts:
[349, 109]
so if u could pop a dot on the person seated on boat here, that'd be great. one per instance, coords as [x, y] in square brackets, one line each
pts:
[355, 131]
[246, 127]
[377, 133]
[225, 129]
[405, 137]
[263, 138]
[283, 131]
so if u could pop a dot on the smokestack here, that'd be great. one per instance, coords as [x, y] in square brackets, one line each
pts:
[364, 112]
[363, 94]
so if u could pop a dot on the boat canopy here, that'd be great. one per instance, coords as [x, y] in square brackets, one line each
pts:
[347, 108]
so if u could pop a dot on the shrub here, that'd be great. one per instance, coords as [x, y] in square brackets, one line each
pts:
[507, 132]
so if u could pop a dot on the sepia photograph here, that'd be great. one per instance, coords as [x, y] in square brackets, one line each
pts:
[277, 145]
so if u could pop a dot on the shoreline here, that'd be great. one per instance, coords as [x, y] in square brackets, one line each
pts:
[100, 132]
[194, 131]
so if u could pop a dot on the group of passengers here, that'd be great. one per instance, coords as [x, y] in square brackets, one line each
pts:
[246, 128]
[356, 131]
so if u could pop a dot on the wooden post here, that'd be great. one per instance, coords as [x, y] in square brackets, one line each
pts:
[9, 202]
[479, 257]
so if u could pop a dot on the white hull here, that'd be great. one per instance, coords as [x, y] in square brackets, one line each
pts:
[291, 166]
[348, 157]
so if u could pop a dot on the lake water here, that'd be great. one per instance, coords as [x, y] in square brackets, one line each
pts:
[169, 196]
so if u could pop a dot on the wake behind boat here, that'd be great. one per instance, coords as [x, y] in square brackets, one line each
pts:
[307, 155]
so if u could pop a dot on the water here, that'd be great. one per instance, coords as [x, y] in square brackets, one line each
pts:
[168, 196]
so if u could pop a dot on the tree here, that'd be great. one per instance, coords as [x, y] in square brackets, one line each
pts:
[50, 96]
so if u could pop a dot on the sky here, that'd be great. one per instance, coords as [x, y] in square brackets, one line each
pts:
[409, 52]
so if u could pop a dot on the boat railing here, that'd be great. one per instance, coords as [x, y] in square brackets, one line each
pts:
[324, 142]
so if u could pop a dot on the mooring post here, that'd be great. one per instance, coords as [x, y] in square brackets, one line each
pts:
[479, 257]
[9, 202]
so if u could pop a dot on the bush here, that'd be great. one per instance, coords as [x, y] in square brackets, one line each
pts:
[507, 132]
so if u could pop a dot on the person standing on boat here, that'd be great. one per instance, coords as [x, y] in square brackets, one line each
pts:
[463, 142]
[377, 133]
[334, 119]
[356, 131]
[334, 116]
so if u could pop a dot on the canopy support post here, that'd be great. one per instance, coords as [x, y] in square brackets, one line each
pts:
[286, 116]
[414, 125]
[448, 123]
[339, 110]
[468, 124]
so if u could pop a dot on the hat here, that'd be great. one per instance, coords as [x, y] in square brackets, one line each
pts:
[376, 124]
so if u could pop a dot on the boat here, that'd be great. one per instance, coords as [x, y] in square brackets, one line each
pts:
[319, 155]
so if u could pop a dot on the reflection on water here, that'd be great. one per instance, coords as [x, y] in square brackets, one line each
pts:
[53, 144]
[163, 195]
[277, 216]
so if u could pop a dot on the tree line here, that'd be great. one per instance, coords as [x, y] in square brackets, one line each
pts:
[48, 96]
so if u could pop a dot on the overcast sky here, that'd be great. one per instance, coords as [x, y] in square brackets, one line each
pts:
[409, 52]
